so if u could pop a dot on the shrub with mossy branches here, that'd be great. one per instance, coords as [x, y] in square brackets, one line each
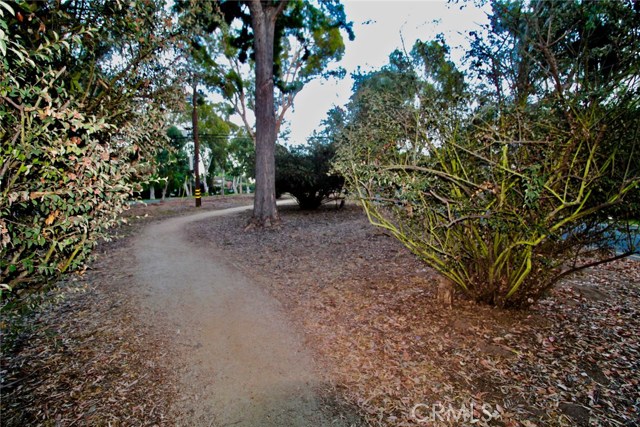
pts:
[508, 190]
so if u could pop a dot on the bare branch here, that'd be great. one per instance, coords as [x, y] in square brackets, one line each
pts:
[592, 264]
[13, 104]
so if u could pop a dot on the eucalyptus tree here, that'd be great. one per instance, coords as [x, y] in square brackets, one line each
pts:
[261, 34]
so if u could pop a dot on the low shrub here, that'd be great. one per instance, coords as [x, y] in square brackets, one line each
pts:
[304, 172]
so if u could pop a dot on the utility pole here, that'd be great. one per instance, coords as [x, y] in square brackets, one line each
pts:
[196, 141]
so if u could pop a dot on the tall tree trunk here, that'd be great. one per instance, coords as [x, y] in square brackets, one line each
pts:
[196, 141]
[263, 21]
[187, 189]
[152, 192]
[164, 189]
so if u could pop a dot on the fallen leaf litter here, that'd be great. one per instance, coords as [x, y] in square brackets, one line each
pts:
[368, 309]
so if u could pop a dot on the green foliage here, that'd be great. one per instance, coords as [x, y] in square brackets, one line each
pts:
[241, 158]
[304, 172]
[172, 164]
[508, 197]
[76, 129]
[224, 147]
[214, 136]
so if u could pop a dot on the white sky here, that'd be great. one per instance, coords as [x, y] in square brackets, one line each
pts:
[379, 28]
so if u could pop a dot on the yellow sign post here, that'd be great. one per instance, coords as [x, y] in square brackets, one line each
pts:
[198, 198]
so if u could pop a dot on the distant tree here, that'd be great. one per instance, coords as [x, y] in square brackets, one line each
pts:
[172, 163]
[304, 172]
[215, 131]
[264, 32]
[241, 156]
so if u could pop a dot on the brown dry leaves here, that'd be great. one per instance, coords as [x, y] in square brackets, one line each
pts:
[368, 308]
[87, 361]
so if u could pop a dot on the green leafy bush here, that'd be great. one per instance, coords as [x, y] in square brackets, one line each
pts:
[507, 191]
[304, 172]
[68, 160]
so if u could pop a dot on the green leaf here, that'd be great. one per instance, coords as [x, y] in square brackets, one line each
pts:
[6, 6]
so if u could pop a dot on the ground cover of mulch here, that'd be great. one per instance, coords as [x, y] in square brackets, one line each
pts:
[84, 358]
[86, 361]
[368, 309]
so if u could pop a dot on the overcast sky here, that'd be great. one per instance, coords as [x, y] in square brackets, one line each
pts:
[380, 26]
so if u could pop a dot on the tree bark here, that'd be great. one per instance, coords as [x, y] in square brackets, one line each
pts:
[237, 184]
[196, 142]
[187, 189]
[263, 20]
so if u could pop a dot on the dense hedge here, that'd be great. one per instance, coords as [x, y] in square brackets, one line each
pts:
[68, 162]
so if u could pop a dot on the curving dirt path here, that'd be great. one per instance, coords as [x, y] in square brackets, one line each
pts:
[242, 363]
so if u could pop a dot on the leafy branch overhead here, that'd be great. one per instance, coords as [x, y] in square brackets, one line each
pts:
[308, 39]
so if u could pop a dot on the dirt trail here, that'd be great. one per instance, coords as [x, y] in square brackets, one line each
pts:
[243, 364]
